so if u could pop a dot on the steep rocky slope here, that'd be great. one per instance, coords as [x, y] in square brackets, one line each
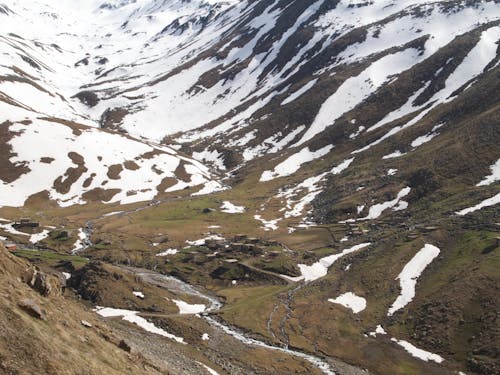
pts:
[42, 332]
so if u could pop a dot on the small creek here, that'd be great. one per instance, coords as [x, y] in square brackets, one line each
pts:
[175, 285]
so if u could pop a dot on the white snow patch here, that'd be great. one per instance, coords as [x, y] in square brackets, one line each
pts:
[244, 140]
[79, 243]
[299, 92]
[201, 241]
[418, 353]
[358, 132]
[395, 154]
[267, 224]
[112, 213]
[293, 163]
[132, 317]
[139, 295]
[493, 177]
[379, 330]
[10, 229]
[230, 208]
[342, 166]
[423, 139]
[486, 203]
[167, 252]
[34, 238]
[209, 188]
[397, 204]
[320, 268]
[356, 89]
[410, 274]
[205, 337]
[392, 172]
[99, 150]
[211, 371]
[472, 66]
[187, 308]
[272, 144]
[311, 187]
[351, 301]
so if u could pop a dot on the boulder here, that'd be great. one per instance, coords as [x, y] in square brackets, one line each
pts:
[31, 307]
[46, 285]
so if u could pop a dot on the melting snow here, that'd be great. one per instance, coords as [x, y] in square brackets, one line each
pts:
[230, 208]
[139, 295]
[396, 204]
[132, 317]
[320, 268]
[410, 274]
[201, 241]
[34, 238]
[167, 252]
[293, 163]
[311, 186]
[473, 65]
[418, 353]
[211, 156]
[299, 92]
[10, 229]
[186, 308]
[351, 301]
[272, 144]
[358, 132]
[79, 243]
[493, 177]
[423, 139]
[268, 224]
[486, 203]
[99, 151]
[211, 371]
[356, 89]
[379, 330]
[395, 154]
[209, 188]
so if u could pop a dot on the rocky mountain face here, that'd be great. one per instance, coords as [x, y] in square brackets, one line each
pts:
[321, 126]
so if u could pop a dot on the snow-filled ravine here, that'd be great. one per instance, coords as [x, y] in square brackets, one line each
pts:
[410, 274]
[424, 355]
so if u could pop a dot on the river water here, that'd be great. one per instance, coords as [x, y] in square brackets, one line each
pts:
[178, 286]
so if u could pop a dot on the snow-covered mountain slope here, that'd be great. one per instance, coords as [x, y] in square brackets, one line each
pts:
[73, 164]
[50, 142]
[235, 81]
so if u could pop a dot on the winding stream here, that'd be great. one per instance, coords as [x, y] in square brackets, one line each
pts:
[214, 305]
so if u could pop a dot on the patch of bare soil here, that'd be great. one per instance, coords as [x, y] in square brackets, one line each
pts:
[114, 171]
[99, 194]
[63, 183]
[8, 170]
